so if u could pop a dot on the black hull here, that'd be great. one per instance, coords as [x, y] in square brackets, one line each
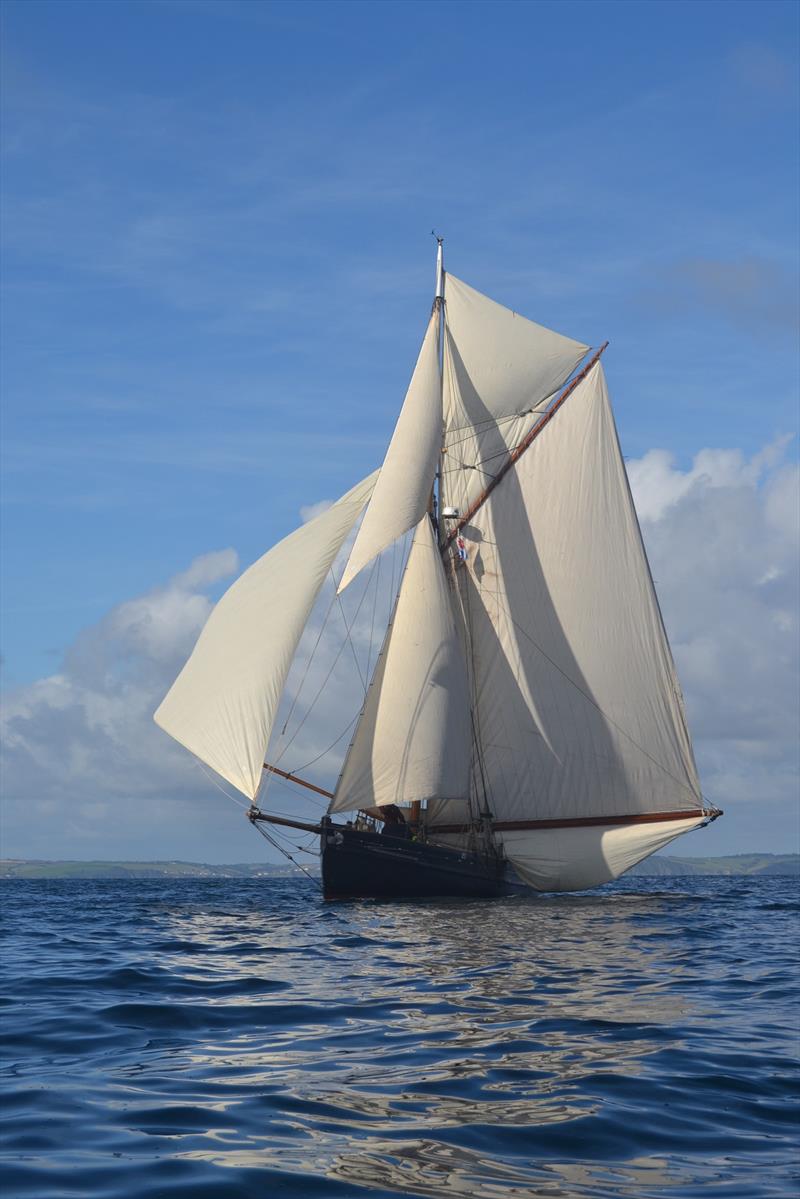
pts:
[364, 865]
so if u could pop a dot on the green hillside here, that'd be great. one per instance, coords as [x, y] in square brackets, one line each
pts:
[740, 864]
[19, 868]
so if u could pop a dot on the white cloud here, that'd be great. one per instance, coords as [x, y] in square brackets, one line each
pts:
[722, 538]
[86, 734]
[310, 511]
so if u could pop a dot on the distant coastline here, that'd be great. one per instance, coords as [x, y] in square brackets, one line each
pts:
[739, 864]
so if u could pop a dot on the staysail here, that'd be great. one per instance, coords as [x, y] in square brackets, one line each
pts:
[413, 739]
[403, 489]
[577, 704]
[223, 703]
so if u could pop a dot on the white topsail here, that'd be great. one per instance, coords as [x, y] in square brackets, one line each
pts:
[413, 739]
[223, 703]
[500, 369]
[504, 363]
[403, 489]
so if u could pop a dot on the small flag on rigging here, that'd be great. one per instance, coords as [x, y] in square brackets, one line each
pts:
[461, 546]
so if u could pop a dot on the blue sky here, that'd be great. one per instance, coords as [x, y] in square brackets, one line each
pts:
[217, 268]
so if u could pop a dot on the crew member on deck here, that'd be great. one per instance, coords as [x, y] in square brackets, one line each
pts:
[394, 822]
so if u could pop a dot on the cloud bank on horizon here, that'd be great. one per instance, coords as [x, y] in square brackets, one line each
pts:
[82, 750]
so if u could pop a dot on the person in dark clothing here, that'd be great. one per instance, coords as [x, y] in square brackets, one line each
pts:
[394, 822]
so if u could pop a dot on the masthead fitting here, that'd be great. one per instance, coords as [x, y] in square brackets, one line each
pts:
[439, 266]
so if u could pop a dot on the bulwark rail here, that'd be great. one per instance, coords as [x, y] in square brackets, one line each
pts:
[519, 450]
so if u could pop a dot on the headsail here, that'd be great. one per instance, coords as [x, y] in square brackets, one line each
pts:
[404, 484]
[413, 739]
[223, 703]
[577, 702]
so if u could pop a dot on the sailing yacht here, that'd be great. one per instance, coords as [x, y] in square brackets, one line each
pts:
[524, 726]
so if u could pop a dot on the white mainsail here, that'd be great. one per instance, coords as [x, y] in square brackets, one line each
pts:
[578, 709]
[223, 703]
[403, 489]
[413, 740]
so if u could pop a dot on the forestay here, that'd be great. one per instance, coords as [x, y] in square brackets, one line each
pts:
[412, 741]
[403, 489]
[578, 707]
[223, 703]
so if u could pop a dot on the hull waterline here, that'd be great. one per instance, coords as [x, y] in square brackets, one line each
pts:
[357, 864]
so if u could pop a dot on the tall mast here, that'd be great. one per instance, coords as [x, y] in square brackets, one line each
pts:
[438, 307]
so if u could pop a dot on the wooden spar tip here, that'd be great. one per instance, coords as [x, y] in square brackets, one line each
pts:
[293, 778]
[256, 816]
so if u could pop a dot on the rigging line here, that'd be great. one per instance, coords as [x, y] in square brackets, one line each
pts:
[485, 426]
[348, 628]
[227, 794]
[506, 451]
[286, 854]
[302, 847]
[384, 647]
[374, 606]
[596, 705]
[526, 442]
[290, 815]
[331, 668]
[469, 466]
[310, 657]
[348, 727]
[304, 794]
[537, 409]
[333, 744]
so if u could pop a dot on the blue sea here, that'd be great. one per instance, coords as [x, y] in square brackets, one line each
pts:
[216, 1039]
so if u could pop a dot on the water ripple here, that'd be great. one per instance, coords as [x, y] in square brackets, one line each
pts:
[228, 1038]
